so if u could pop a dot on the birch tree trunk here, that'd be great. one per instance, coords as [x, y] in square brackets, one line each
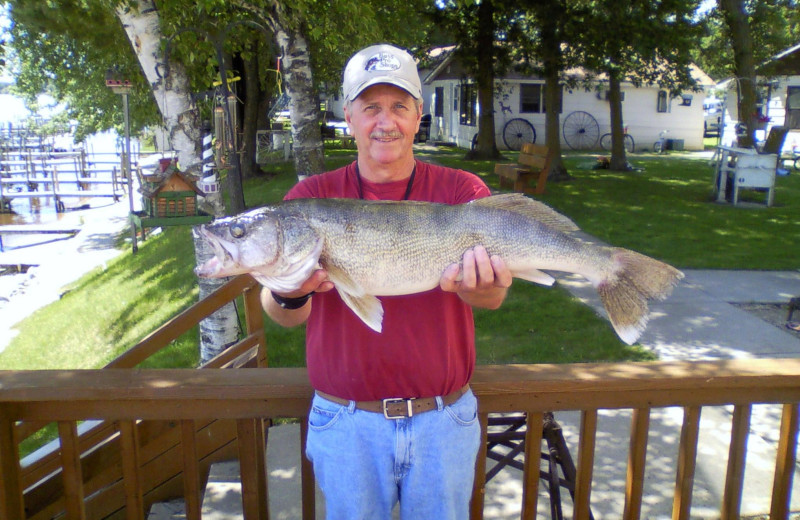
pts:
[182, 125]
[171, 94]
[287, 26]
[303, 101]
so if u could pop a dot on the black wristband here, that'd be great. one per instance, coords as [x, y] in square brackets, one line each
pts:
[291, 303]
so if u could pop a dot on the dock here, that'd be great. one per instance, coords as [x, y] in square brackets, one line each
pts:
[29, 229]
[31, 174]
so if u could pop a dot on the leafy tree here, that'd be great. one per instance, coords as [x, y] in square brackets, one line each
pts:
[742, 34]
[315, 40]
[66, 50]
[774, 26]
[738, 25]
[538, 48]
[474, 26]
[644, 42]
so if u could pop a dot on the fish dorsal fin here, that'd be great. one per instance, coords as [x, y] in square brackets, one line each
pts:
[366, 306]
[519, 203]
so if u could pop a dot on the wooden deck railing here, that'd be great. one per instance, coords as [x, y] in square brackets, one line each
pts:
[249, 396]
[159, 441]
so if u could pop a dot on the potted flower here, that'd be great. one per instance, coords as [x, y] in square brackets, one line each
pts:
[761, 120]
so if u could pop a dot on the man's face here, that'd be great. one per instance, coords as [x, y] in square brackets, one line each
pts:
[383, 119]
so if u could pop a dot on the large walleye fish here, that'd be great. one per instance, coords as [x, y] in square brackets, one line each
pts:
[383, 248]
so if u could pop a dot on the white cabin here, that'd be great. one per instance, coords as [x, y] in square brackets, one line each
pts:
[647, 111]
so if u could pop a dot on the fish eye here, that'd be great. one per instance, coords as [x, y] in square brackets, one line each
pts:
[237, 230]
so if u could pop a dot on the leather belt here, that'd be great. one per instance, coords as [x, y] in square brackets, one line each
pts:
[399, 408]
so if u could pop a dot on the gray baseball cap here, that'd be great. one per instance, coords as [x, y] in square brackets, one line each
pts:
[381, 64]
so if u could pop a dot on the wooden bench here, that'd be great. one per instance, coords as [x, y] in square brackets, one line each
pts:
[533, 164]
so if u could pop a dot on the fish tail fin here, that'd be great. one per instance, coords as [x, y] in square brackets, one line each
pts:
[635, 278]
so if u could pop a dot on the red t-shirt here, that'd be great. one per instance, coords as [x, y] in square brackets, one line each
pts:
[427, 346]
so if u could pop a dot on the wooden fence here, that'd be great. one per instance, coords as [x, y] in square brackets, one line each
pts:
[248, 396]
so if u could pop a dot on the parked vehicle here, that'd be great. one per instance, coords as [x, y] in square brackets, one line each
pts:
[712, 116]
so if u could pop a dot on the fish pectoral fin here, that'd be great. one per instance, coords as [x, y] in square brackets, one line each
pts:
[366, 307]
[535, 276]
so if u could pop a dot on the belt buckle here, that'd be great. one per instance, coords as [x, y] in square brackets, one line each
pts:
[393, 400]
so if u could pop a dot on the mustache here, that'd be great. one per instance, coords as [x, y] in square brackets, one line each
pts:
[385, 135]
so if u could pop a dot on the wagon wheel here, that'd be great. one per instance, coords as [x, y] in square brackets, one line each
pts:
[581, 130]
[517, 132]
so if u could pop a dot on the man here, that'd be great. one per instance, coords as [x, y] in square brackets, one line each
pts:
[393, 419]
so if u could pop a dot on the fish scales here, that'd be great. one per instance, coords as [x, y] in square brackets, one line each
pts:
[397, 249]
[381, 248]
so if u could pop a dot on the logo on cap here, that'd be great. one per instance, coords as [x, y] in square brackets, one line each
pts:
[382, 62]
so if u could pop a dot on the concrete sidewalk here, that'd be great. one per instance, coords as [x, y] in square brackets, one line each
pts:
[699, 321]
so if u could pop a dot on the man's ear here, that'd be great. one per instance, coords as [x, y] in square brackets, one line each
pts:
[347, 119]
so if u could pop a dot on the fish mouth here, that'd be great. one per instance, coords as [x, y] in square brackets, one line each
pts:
[218, 265]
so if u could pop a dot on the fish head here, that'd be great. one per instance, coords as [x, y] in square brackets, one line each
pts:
[242, 243]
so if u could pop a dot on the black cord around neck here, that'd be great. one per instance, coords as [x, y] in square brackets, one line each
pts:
[408, 186]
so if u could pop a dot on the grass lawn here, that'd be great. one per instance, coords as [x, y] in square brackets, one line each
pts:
[663, 210]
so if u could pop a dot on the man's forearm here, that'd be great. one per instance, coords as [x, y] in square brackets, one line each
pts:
[282, 316]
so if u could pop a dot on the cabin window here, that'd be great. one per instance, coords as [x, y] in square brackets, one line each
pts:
[661, 104]
[792, 107]
[530, 98]
[438, 103]
[467, 114]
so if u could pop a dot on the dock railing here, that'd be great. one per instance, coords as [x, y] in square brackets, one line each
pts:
[131, 399]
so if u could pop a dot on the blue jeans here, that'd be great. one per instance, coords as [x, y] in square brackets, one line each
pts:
[365, 464]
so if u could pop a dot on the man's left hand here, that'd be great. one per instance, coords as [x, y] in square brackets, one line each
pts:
[481, 280]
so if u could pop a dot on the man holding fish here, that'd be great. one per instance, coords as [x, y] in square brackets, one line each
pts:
[393, 418]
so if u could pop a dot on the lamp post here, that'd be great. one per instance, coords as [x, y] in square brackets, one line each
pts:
[123, 88]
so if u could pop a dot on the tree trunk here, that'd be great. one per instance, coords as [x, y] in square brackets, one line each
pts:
[182, 125]
[252, 103]
[309, 157]
[744, 65]
[551, 58]
[619, 161]
[486, 147]
[171, 94]
[303, 101]
[221, 329]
